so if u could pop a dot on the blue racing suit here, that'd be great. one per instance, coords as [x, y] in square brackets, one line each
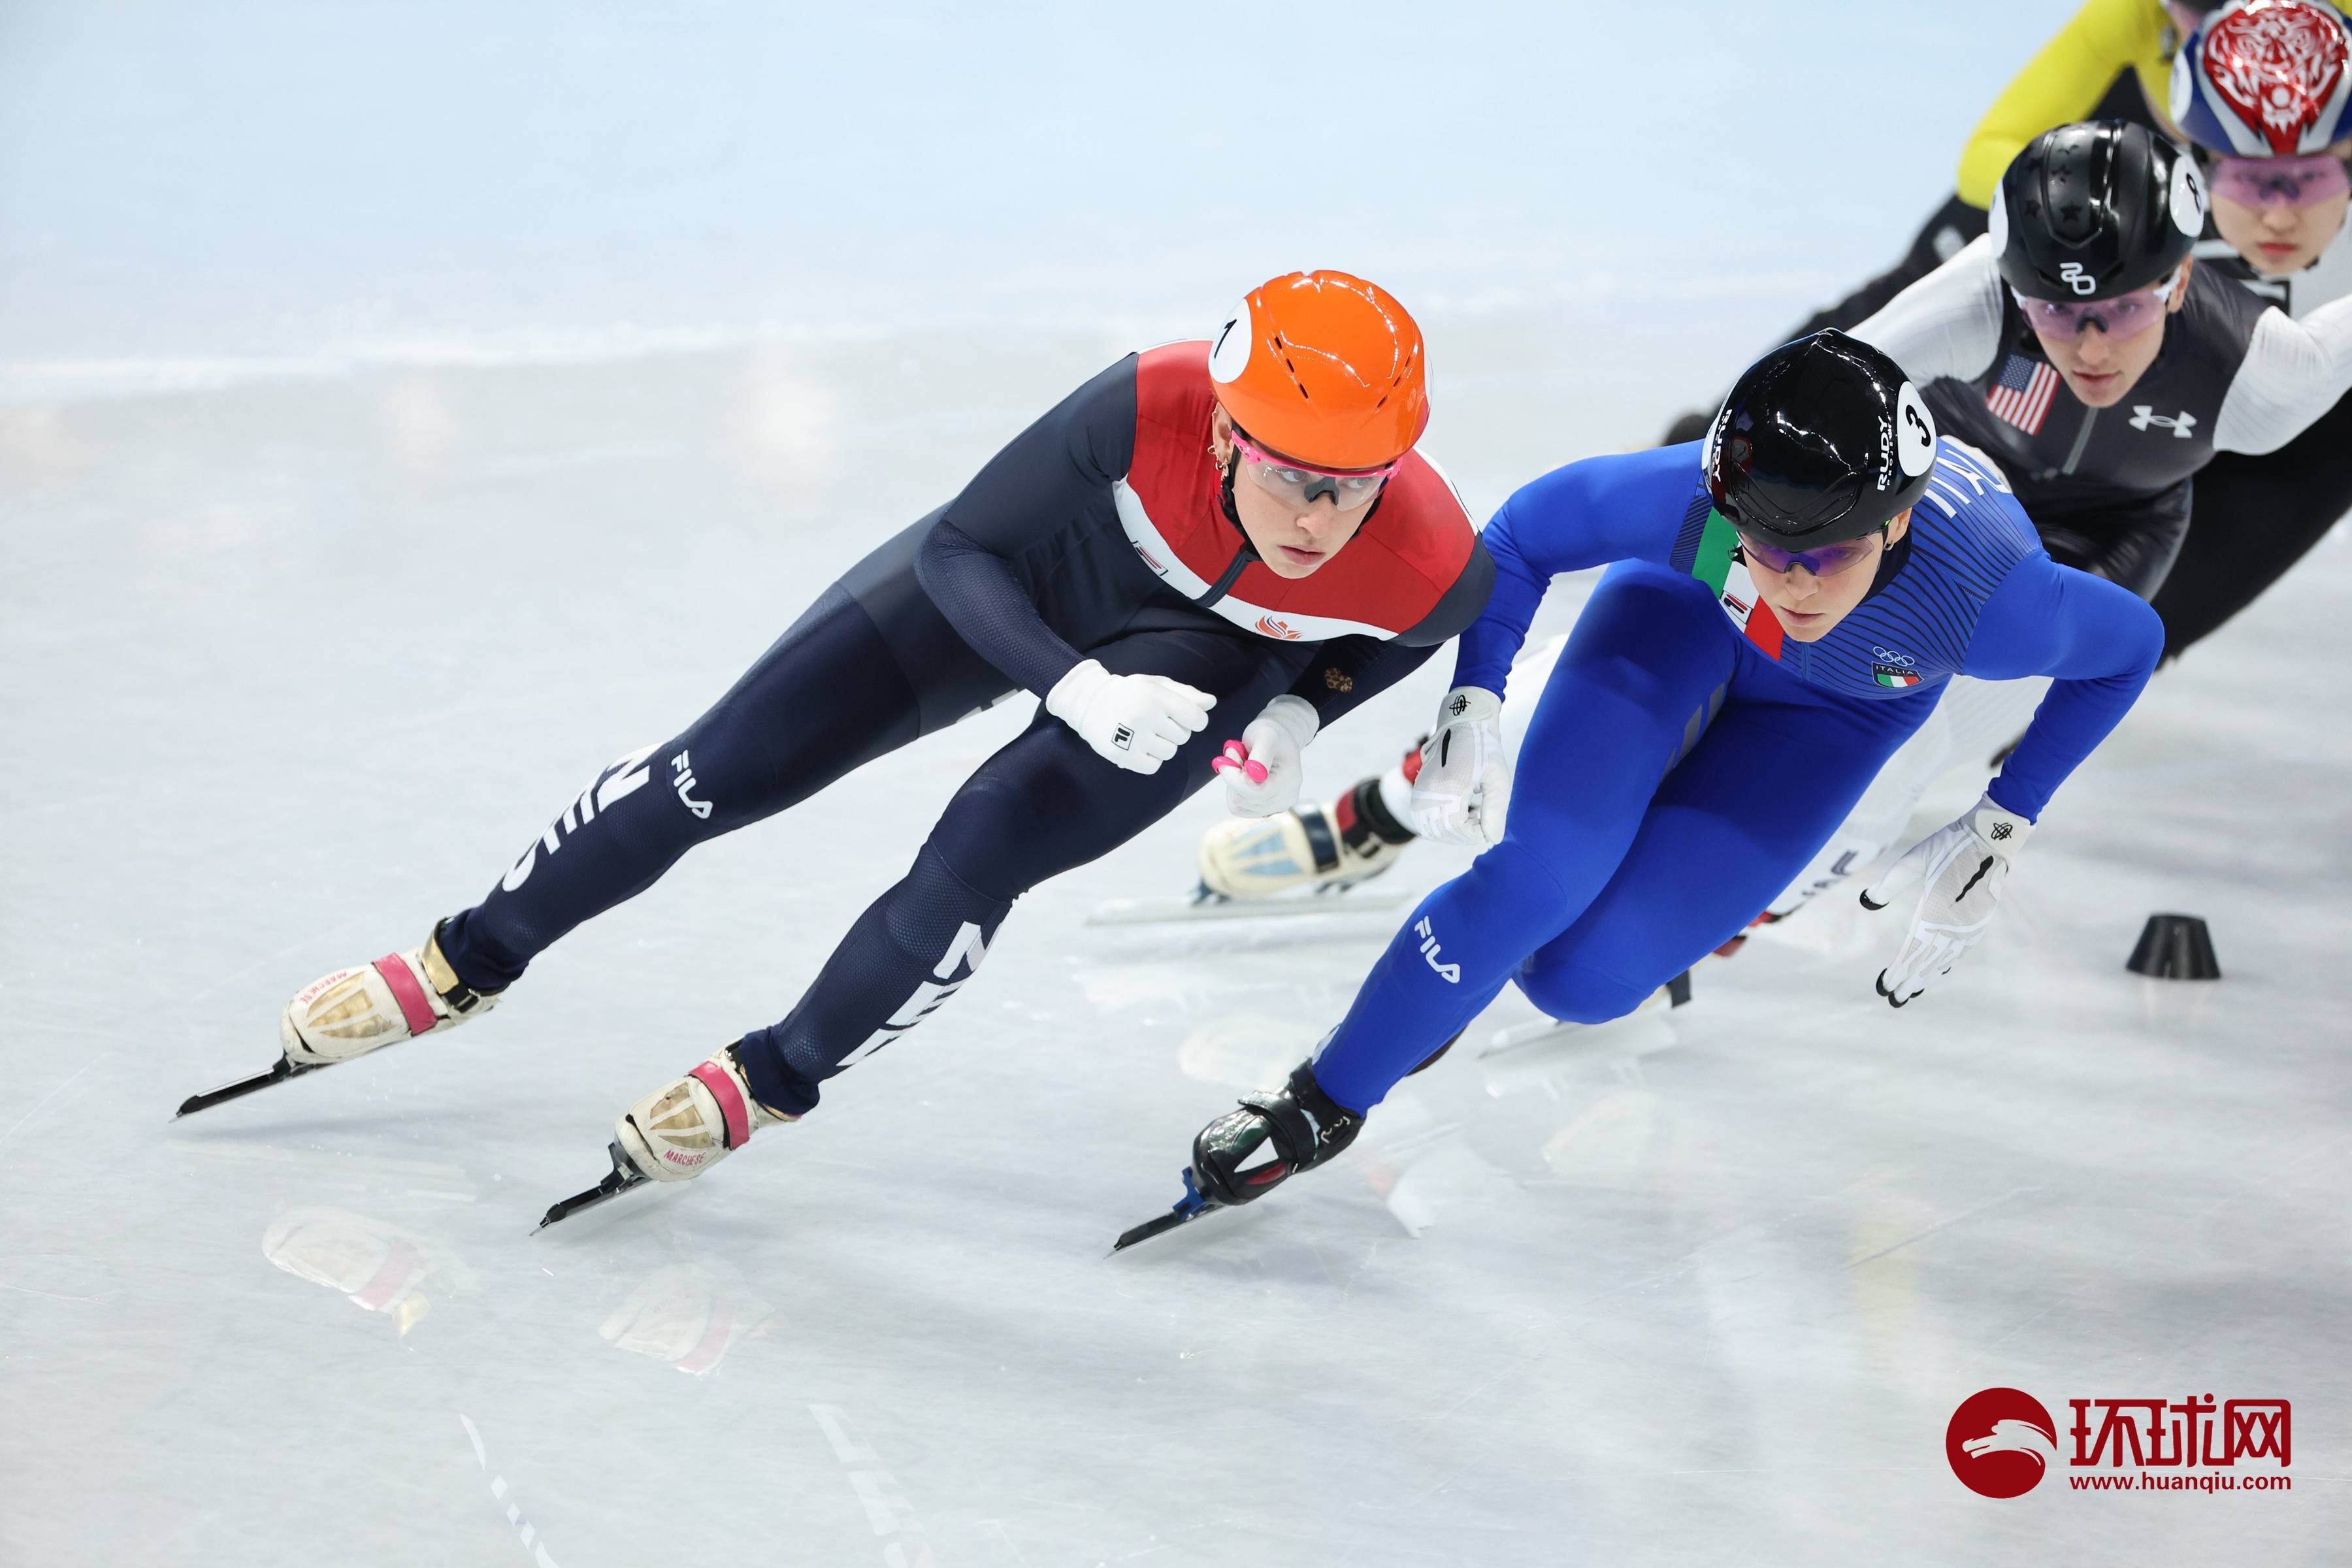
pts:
[1687, 760]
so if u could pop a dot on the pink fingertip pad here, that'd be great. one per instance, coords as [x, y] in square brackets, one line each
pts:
[1255, 769]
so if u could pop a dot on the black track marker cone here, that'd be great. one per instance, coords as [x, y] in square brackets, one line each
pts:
[2175, 947]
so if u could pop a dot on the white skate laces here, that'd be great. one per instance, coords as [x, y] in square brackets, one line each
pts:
[1958, 870]
[399, 996]
[689, 1124]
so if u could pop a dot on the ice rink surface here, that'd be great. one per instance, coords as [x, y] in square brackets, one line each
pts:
[300, 654]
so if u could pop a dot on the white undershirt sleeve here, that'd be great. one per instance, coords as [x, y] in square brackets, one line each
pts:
[1946, 324]
[2294, 370]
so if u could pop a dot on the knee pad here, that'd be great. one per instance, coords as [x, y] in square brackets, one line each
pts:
[937, 915]
[1577, 993]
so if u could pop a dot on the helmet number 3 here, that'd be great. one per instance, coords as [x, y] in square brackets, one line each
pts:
[1915, 435]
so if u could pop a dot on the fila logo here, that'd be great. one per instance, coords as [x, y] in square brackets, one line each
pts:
[2144, 417]
[1449, 972]
[683, 770]
[2075, 277]
[1123, 738]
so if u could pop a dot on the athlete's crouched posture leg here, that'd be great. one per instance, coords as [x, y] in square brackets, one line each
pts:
[1634, 827]
[1774, 772]
[827, 697]
[1043, 804]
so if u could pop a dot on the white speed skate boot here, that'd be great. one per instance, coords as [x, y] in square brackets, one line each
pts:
[1325, 847]
[677, 1131]
[398, 997]
[691, 1123]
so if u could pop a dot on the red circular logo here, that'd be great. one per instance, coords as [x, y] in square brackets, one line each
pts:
[2001, 1442]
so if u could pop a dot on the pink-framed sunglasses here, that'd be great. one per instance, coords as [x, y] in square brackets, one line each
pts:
[1295, 484]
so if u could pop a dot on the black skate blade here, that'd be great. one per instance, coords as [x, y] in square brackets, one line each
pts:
[280, 1073]
[618, 1180]
[1189, 1207]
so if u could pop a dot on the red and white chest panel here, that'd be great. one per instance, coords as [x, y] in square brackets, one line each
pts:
[1382, 583]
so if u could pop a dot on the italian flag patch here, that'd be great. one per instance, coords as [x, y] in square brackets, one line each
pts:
[1886, 675]
[1735, 589]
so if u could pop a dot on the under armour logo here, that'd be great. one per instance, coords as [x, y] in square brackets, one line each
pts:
[2180, 424]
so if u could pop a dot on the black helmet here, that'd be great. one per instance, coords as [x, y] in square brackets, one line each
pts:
[1822, 440]
[2092, 211]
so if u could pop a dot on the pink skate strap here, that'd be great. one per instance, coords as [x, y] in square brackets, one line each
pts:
[406, 992]
[731, 1101]
[401, 1264]
[712, 1347]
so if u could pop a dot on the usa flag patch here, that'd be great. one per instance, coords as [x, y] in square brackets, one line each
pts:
[2021, 396]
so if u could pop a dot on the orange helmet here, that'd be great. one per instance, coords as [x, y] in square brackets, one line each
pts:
[1324, 368]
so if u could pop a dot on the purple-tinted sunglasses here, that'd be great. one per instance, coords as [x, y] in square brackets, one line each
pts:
[1823, 561]
[2298, 182]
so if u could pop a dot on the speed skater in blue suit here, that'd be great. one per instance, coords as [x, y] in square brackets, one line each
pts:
[1786, 603]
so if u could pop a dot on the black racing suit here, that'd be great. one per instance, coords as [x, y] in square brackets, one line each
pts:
[2109, 490]
[2257, 513]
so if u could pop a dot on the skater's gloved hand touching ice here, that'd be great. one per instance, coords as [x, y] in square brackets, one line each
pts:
[1464, 788]
[1263, 769]
[1958, 870]
[1136, 721]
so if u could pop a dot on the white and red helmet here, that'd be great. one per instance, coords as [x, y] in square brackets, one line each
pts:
[2265, 79]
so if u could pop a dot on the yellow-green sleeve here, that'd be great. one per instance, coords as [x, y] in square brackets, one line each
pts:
[2064, 83]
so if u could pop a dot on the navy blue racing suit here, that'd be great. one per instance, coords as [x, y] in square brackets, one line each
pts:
[1102, 532]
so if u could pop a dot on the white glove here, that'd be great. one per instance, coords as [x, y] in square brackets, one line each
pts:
[1958, 870]
[1464, 787]
[1263, 769]
[1136, 721]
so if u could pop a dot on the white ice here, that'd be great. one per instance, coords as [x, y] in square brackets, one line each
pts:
[324, 589]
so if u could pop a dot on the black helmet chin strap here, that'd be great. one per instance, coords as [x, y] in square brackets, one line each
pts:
[1232, 512]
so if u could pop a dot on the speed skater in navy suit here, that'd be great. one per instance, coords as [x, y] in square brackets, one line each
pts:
[1195, 560]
